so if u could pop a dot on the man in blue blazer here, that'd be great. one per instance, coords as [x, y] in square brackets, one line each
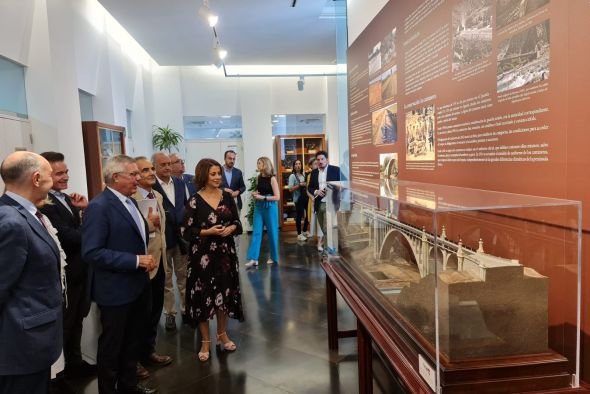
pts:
[114, 243]
[317, 187]
[178, 169]
[31, 299]
[174, 193]
[232, 180]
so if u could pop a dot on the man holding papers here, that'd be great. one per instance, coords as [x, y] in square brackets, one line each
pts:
[150, 205]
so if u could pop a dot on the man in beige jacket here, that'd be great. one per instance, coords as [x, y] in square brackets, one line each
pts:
[156, 219]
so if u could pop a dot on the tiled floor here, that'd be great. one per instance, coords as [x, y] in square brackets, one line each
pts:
[282, 345]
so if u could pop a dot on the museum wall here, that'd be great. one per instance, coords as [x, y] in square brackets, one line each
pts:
[483, 94]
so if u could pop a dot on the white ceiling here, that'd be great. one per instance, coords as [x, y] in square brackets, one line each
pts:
[253, 31]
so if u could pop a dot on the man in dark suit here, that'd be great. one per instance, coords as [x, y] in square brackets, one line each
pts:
[114, 243]
[178, 169]
[31, 299]
[317, 187]
[232, 180]
[174, 193]
[64, 212]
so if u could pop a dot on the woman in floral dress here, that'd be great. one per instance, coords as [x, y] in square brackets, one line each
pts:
[213, 281]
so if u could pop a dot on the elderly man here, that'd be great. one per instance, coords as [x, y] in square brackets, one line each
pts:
[30, 290]
[64, 212]
[114, 243]
[156, 219]
[173, 191]
[178, 169]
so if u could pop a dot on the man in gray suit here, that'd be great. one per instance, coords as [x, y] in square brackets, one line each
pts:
[30, 289]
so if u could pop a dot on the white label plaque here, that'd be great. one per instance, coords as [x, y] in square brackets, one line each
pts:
[427, 372]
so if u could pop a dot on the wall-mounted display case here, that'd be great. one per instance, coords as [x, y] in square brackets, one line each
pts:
[101, 141]
[289, 149]
[462, 290]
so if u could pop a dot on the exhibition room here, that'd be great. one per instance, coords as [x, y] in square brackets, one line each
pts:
[294, 196]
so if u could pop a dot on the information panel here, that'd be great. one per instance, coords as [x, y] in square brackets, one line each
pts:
[475, 93]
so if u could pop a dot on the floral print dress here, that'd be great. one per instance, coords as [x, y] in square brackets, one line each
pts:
[213, 279]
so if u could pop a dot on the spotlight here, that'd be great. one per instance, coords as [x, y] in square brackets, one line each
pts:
[222, 53]
[301, 83]
[212, 20]
[205, 13]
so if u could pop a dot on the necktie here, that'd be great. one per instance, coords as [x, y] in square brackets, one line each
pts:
[136, 217]
[151, 196]
[40, 217]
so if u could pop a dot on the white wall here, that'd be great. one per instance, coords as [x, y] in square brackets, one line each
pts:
[68, 45]
[359, 14]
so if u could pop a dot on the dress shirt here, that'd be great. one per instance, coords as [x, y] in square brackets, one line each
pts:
[61, 198]
[123, 200]
[26, 204]
[228, 175]
[322, 184]
[168, 189]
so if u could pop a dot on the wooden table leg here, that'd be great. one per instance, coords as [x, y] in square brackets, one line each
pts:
[365, 360]
[332, 314]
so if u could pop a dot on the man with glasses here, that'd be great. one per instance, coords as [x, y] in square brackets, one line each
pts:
[178, 169]
[174, 193]
[114, 243]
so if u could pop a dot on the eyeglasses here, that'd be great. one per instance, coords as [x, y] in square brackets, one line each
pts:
[178, 161]
[133, 174]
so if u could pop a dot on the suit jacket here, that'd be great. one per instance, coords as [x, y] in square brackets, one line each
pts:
[157, 236]
[332, 175]
[174, 212]
[188, 181]
[111, 243]
[69, 233]
[237, 183]
[31, 303]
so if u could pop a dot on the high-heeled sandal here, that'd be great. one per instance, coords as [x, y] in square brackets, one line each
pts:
[204, 356]
[229, 346]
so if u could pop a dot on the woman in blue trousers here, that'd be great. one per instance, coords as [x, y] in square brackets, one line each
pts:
[266, 213]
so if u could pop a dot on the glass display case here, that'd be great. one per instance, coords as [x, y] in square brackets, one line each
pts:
[476, 291]
[289, 149]
[101, 141]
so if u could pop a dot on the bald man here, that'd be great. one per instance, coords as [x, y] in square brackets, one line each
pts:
[31, 299]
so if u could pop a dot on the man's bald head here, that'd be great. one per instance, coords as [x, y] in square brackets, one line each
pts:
[19, 166]
[28, 175]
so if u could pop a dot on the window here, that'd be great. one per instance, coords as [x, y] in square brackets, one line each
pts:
[128, 130]
[13, 98]
[212, 127]
[298, 124]
[86, 109]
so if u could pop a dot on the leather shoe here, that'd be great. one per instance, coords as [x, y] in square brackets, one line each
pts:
[82, 370]
[158, 360]
[141, 372]
[140, 389]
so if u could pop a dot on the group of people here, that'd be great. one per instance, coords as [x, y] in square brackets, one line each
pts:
[152, 224]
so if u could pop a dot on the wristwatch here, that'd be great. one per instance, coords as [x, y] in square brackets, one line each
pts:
[264, 198]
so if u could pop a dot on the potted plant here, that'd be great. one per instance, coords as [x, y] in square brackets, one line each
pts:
[252, 185]
[165, 138]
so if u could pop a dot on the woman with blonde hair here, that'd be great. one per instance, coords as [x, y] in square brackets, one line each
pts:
[266, 213]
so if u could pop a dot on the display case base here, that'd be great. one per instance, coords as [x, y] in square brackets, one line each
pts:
[539, 373]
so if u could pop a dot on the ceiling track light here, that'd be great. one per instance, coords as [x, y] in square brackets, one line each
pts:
[219, 53]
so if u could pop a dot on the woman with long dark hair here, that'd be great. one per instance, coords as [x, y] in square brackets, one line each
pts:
[213, 280]
[298, 188]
